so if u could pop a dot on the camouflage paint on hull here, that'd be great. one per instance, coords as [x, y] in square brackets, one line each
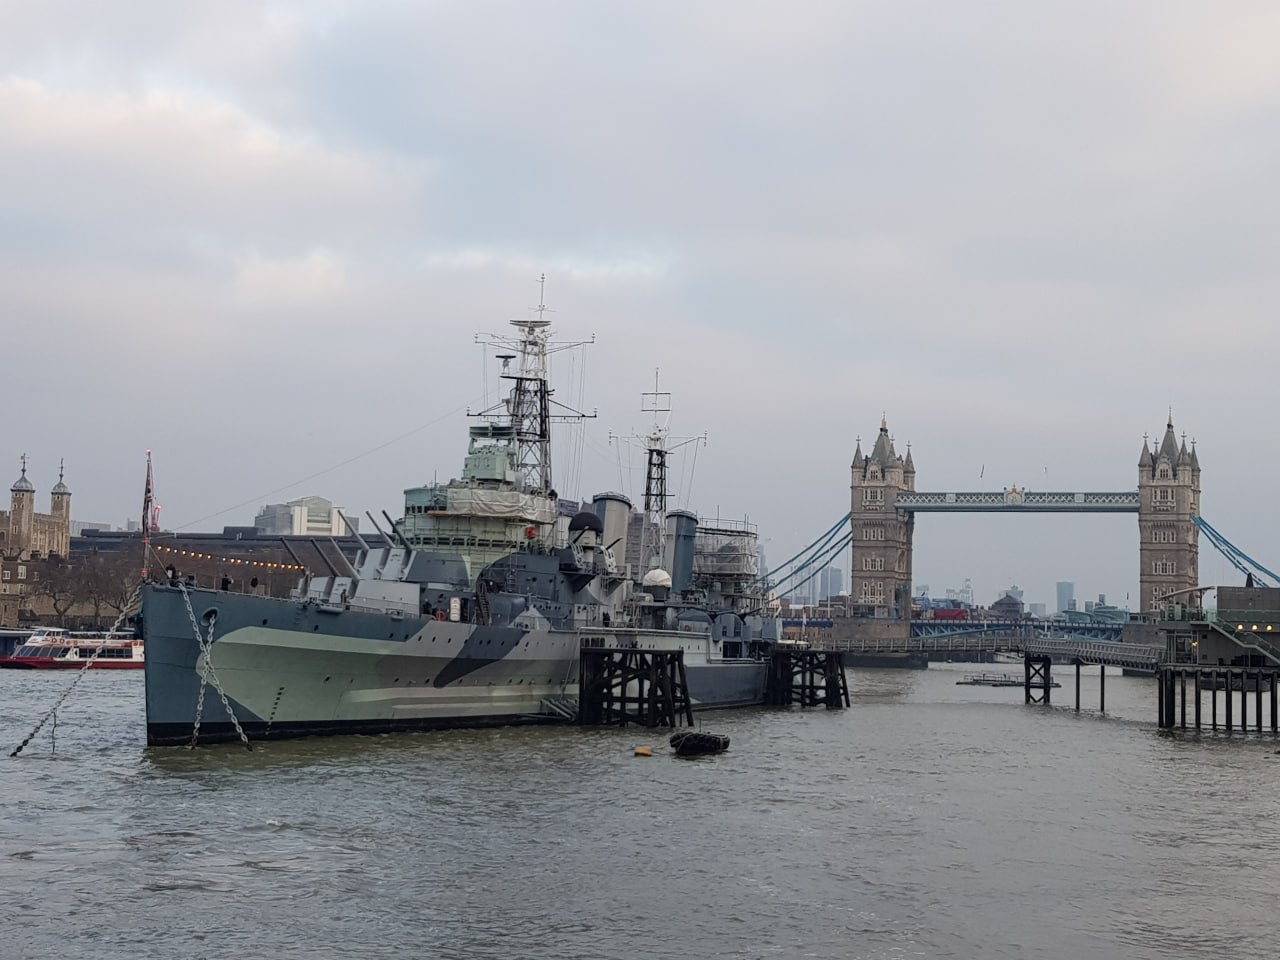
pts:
[294, 669]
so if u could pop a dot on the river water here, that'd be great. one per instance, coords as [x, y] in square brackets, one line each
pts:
[930, 820]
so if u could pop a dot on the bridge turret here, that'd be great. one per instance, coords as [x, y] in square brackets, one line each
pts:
[1170, 442]
[1146, 462]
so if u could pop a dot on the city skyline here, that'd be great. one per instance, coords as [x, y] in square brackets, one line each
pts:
[988, 584]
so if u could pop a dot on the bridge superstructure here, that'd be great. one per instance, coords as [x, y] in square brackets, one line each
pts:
[885, 502]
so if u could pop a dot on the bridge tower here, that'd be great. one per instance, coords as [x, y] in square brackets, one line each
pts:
[881, 554]
[1168, 497]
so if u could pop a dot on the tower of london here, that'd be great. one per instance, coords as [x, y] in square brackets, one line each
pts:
[27, 535]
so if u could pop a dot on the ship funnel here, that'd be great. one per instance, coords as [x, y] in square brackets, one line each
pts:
[614, 511]
[682, 530]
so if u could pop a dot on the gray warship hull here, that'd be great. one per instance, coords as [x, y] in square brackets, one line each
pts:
[296, 668]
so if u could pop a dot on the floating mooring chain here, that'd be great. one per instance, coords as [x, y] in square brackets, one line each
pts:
[124, 613]
[206, 650]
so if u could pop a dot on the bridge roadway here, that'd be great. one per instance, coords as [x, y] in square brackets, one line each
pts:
[1138, 656]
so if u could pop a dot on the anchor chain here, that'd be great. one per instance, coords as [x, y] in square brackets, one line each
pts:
[206, 651]
[124, 613]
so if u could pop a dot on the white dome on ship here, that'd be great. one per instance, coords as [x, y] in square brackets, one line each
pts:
[656, 578]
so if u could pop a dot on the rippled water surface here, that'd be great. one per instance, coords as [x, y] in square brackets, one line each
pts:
[929, 820]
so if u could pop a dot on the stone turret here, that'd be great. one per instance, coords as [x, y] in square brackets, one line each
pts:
[60, 510]
[1145, 459]
[22, 509]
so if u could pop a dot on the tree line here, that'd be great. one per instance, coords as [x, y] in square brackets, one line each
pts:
[96, 586]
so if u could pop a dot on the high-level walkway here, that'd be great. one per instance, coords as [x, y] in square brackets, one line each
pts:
[1018, 501]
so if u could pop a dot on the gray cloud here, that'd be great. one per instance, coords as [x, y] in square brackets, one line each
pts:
[259, 239]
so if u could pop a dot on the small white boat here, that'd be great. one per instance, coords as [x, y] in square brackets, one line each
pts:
[53, 648]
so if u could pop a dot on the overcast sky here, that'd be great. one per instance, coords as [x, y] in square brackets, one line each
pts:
[259, 239]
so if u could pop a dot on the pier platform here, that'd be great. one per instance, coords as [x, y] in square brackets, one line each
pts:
[995, 680]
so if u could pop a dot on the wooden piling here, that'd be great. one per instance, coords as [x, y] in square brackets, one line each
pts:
[1197, 699]
[810, 678]
[1182, 677]
[1037, 675]
[1213, 699]
[646, 687]
[1160, 695]
[1230, 723]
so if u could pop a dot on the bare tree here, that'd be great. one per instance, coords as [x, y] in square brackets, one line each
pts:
[59, 582]
[109, 581]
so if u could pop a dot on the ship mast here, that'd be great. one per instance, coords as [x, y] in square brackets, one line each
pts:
[528, 410]
[658, 445]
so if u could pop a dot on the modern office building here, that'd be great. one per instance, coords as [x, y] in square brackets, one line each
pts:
[830, 583]
[308, 516]
[1066, 594]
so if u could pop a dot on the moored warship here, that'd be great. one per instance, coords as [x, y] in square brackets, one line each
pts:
[473, 607]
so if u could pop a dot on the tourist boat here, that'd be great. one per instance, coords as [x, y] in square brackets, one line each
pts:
[472, 609]
[53, 648]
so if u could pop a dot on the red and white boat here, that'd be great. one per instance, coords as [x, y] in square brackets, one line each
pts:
[53, 648]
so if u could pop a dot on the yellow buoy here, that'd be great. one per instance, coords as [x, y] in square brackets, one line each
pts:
[643, 752]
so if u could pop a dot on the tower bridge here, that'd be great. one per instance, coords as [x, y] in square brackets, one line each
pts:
[885, 501]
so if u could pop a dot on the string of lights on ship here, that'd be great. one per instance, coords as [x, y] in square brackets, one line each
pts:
[236, 560]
